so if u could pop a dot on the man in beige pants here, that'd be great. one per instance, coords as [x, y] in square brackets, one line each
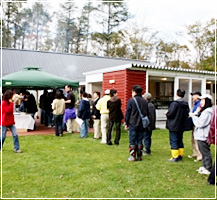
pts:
[102, 107]
[196, 152]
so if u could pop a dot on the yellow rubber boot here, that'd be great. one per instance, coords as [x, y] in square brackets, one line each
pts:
[181, 153]
[175, 155]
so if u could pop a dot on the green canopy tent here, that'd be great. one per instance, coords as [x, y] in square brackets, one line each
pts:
[33, 78]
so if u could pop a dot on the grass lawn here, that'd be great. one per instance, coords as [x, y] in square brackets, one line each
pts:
[70, 167]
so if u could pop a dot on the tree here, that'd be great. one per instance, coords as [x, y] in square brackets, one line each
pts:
[66, 26]
[112, 15]
[40, 18]
[203, 40]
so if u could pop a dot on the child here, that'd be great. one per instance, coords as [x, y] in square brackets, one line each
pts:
[58, 107]
[84, 114]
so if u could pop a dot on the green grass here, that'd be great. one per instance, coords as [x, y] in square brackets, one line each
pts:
[70, 167]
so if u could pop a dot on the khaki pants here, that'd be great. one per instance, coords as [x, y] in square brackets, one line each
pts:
[96, 127]
[195, 148]
[104, 126]
[69, 125]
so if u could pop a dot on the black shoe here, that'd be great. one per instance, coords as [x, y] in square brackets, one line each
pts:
[110, 143]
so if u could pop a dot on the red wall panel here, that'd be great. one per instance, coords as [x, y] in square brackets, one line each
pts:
[124, 81]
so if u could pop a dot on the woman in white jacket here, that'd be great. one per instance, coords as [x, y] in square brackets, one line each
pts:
[201, 121]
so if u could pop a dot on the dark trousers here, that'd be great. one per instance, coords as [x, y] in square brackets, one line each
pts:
[147, 141]
[58, 122]
[136, 136]
[212, 176]
[118, 132]
[176, 139]
[206, 154]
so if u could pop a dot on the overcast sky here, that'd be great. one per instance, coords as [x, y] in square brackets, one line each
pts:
[170, 16]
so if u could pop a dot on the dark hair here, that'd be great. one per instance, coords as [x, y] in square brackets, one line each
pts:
[98, 93]
[69, 86]
[27, 93]
[137, 89]
[112, 92]
[208, 103]
[7, 95]
[59, 94]
[180, 93]
[89, 96]
[84, 94]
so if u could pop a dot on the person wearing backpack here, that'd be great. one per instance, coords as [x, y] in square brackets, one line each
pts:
[134, 122]
[177, 117]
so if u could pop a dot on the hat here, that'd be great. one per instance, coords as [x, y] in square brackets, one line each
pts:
[206, 96]
[147, 96]
[196, 92]
[107, 91]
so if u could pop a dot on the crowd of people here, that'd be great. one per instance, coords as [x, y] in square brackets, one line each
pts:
[105, 112]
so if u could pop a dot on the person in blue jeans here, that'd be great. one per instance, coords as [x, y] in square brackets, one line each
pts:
[8, 120]
[133, 122]
[84, 114]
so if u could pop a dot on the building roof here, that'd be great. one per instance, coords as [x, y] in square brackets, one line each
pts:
[71, 66]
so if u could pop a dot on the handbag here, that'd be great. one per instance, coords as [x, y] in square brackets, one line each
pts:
[145, 120]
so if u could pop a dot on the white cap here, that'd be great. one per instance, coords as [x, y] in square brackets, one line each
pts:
[206, 96]
[107, 91]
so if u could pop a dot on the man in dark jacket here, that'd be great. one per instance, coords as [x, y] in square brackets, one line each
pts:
[96, 116]
[134, 123]
[177, 116]
[84, 114]
[115, 116]
[151, 126]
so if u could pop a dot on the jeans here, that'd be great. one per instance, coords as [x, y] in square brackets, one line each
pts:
[176, 139]
[15, 136]
[58, 122]
[206, 154]
[84, 129]
[136, 136]
[147, 141]
[46, 117]
[118, 132]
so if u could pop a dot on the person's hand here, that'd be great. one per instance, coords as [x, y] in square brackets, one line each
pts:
[191, 114]
[166, 113]
[94, 116]
[126, 127]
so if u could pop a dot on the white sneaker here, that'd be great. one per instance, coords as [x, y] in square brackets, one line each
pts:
[201, 169]
[103, 142]
[204, 171]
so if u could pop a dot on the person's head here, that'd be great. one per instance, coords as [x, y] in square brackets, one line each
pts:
[84, 95]
[180, 93]
[68, 88]
[147, 96]
[96, 94]
[45, 92]
[7, 95]
[107, 92]
[27, 93]
[195, 96]
[113, 92]
[22, 92]
[137, 90]
[89, 96]
[206, 101]
[59, 94]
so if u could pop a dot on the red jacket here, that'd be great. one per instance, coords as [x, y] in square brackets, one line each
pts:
[212, 137]
[7, 113]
